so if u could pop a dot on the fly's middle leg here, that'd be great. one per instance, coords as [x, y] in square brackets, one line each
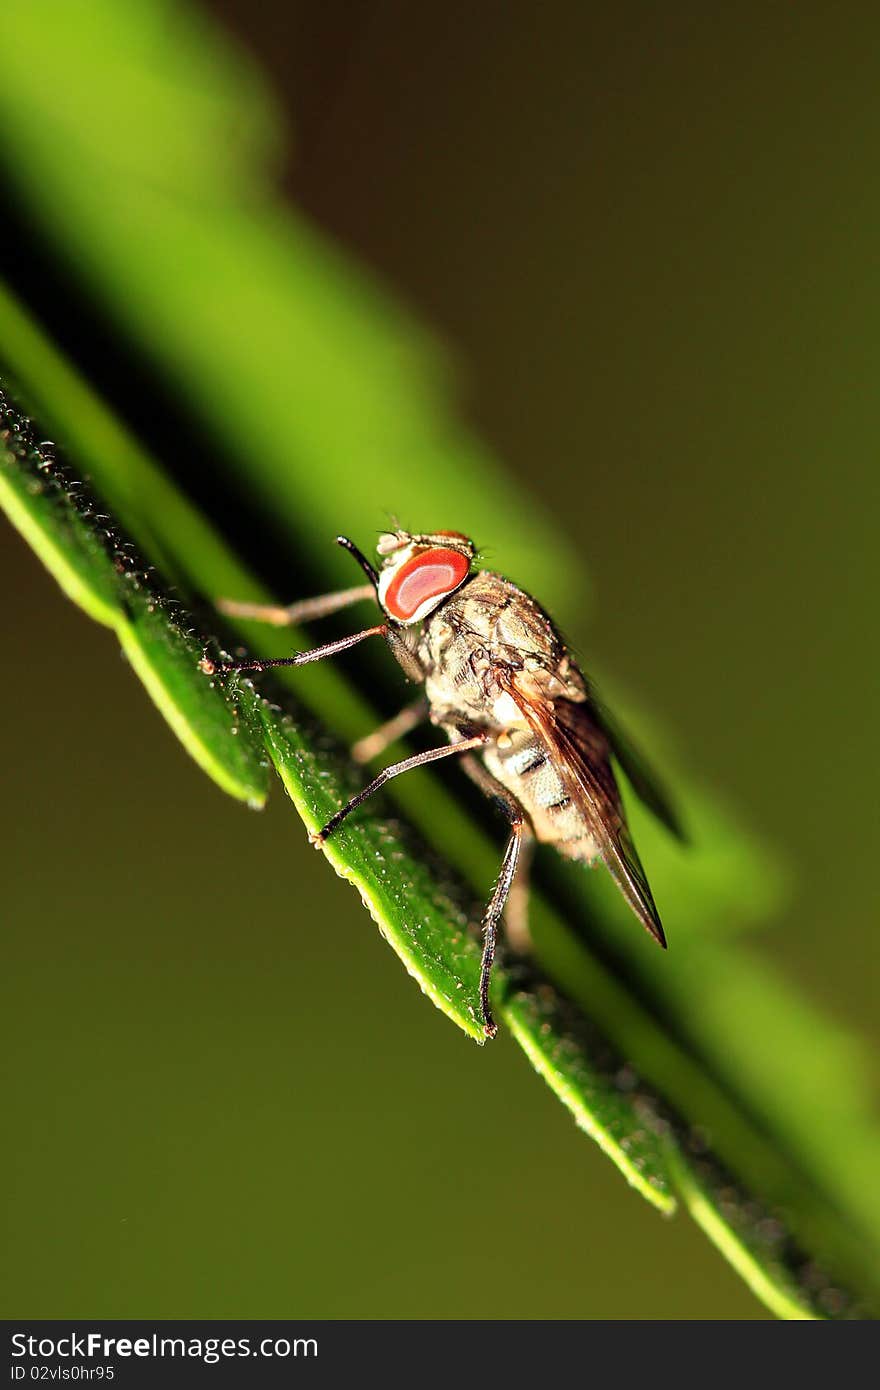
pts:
[366, 749]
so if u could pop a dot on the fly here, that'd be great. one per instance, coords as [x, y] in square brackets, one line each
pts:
[514, 705]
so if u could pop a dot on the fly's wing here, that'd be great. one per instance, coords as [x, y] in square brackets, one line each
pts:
[580, 750]
[644, 781]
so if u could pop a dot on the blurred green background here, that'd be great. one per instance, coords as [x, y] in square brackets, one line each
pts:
[650, 240]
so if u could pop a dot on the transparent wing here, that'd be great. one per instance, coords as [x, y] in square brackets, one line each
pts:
[580, 749]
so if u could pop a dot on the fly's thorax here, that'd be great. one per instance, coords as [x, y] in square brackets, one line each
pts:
[456, 659]
[456, 666]
[463, 678]
[505, 617]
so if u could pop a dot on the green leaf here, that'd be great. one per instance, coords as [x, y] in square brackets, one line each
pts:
[589, 1078]
[96, 568]
[753, 1242]
[302, 372]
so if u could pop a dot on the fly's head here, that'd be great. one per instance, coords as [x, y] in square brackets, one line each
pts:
[420, 572]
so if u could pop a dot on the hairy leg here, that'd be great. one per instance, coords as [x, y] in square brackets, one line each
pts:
[209, 666]
[520, 836]
[516, 914]
[432, 755]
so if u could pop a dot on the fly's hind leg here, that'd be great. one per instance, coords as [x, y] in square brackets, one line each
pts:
[510, 889]
[431, 755]
[516, 914]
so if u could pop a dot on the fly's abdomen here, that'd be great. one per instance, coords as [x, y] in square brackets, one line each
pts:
[525, 768]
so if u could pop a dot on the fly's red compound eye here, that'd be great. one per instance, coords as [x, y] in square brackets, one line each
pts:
[420, 584]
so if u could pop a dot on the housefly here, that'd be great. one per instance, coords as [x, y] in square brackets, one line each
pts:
[500, 682]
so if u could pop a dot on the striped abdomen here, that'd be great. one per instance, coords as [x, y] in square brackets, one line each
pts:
[526, 770]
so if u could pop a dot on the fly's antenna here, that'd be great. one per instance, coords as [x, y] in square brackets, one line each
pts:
[362, 560]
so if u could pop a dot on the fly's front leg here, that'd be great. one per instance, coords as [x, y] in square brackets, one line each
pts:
[307, 609]
[511, 888]
[209, 666]
[405, 656]
[304, 611]
[366, 749]
[432, 755]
